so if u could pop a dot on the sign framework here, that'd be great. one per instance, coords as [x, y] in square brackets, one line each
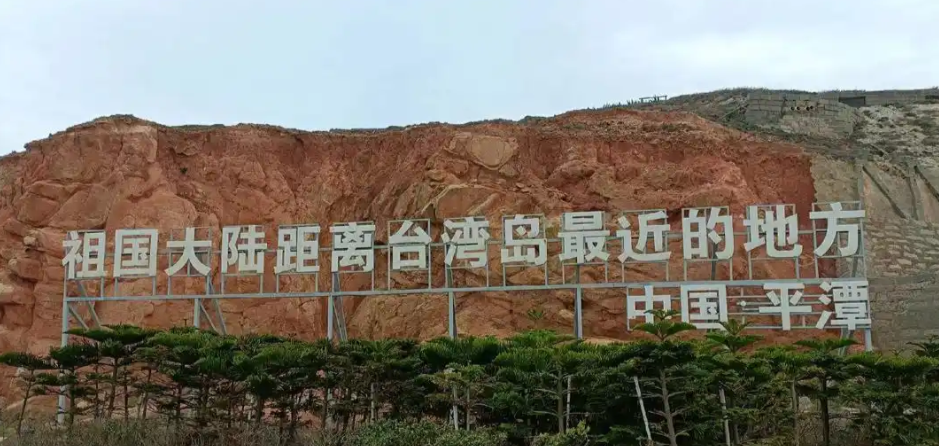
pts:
[634, 253]
[610, 249]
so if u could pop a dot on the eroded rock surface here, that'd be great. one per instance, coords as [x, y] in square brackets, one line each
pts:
[124, 173]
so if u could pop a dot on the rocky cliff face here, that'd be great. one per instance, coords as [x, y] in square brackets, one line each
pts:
[124, 172]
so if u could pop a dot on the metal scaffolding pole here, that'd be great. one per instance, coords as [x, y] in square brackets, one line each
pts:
[451, 306]
[63, 402]
[68, 312]
[578, 306]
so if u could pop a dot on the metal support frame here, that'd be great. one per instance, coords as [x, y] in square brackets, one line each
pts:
[578, 289]
[69, 312]
[336, 324]
[451, 331]
[451, 307]
[336, 319]
[861, 166]
[199, 311]
[578, 306]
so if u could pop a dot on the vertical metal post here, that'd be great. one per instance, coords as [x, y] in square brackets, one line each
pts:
[845, 334]
[712, 255]
[642, 408]
[451, 306]
[331, 308]
[567, 415]
[197, 303]
[197, 313]
[451, 329]
[578, 306]
[455, 411]
[63, 402]
[859, 168]
[340, 318]
[221, 317]
[330, 317]
[726, 420]
[451, 314]
[578, 332]
[868, 341]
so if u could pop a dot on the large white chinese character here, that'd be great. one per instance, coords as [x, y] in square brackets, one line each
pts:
[189, 246]
[141, 246]
[783, 304]
[852, 304]
[86, 251]
[249, 254]
[523, 241]
[409, 239]
[583, 237]
[353, 245]
[648, 299]
[775, 229]
[659, 232]
[698, 230]
[467, 240]
[709, 305]
[298, 249]
[835, 227]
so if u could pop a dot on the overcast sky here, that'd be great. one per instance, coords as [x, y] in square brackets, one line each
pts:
[316, 64]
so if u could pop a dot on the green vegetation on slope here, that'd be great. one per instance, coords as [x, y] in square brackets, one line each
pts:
[198, 387]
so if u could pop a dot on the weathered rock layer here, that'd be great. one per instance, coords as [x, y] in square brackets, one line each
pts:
[124, 173]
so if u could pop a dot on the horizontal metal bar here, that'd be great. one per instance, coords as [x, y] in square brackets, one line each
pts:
[446, 290]
[494, 242]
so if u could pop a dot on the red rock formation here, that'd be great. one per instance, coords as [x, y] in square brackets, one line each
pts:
[124, 172]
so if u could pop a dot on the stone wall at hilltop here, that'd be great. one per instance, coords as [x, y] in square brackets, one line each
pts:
[828, 114]
[860, 98]
[823, 115]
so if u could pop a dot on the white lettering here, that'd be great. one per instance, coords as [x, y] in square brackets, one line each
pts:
[141, 246]
[775, 230]
[85, 251]
[648, 299]
[353, 245]
[658, 230]
[248, 254]
[699, 231]
[835, 227]
[704, 305]
[189, 254]
[467, 240]
[409, 240]
[298, 249]
[783, 304]
[583, 237]
[523, 241]
[852, 304]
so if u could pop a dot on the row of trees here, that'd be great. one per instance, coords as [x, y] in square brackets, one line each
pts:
[720, 390]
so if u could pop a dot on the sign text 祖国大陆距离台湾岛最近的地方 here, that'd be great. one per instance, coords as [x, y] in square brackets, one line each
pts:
[583, 239]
